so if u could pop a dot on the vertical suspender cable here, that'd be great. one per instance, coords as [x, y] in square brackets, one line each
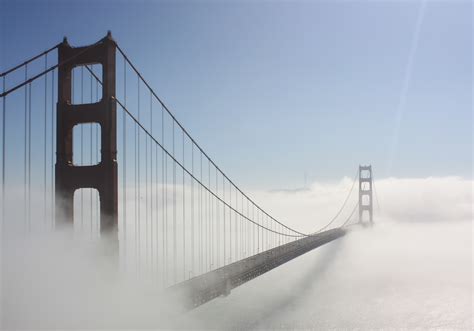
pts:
[264, 222]
[135, 186]
[184, 220]
[138, 178]
[124, 165]
[209, 217]
[271, 234]
[157, 201]
[240, 225]
[217, 226]
[200, 221]
[157, 209]
[212, 233]
[249, 241]
[147, 234]
[4, 118]
[73, 94]
[52, 148]
[205, 220]
[254, 230]
[82, 148]
[259, 239]
[223, 215]
[164, 208]
[146, 201]
[29, 158]
[250, 235]
[192, 211]
[25, 148]
[229, 231]
[151, 184]
[268, 233]
[135, 168]
[45, 139]
[175, 256]
[239, 233]
[97, 158]
[91, 126]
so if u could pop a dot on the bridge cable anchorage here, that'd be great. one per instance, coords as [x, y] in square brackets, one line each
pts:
[343, 205]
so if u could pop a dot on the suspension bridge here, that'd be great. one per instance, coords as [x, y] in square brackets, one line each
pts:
[89, 146]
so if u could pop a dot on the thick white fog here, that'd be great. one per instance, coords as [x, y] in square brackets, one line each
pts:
[390, 276]
[413, 269]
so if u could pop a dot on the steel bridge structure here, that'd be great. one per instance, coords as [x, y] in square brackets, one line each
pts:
[88, 145]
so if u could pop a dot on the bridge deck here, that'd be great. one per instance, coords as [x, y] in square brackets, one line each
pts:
[201, 289]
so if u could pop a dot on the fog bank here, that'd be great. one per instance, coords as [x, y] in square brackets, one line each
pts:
[412, 269]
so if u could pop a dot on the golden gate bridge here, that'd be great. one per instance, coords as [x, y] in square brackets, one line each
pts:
[89, 147]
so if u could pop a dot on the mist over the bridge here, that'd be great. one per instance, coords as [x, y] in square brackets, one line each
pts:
[49, 278]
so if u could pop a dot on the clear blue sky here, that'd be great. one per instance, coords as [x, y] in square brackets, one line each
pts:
[276, 89]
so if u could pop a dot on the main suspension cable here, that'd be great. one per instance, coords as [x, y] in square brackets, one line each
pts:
[343, 205]
[29, 60]
[191, 175]
[30, 80]
[350, 216]
[195, 143]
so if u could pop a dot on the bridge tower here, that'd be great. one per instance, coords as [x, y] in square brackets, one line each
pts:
[102, 176]
[365, 193]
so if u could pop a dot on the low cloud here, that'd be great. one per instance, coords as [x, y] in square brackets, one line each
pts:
[431, 199]
[52, 280]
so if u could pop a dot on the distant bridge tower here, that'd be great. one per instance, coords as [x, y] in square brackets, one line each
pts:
[365, 193]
